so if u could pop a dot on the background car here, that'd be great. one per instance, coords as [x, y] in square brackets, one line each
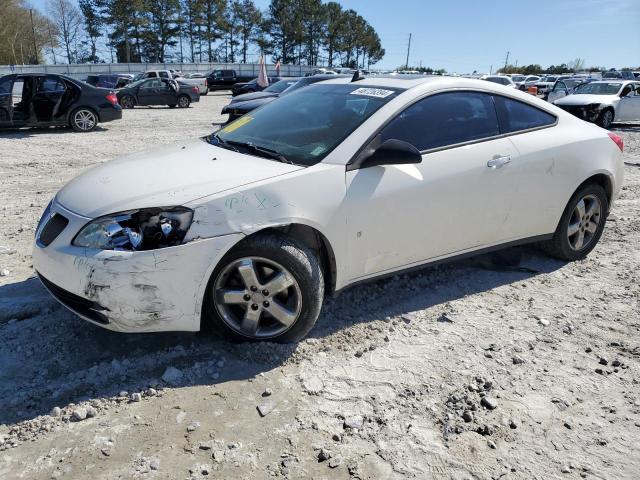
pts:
[251, 86]
[43, 100]
[158, 91]
[546, 83]
[529, 81]
[245, 103]
[622, 74]
[500, 79]
[604, 102]
[198, 81]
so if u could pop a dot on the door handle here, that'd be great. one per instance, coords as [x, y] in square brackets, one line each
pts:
[499, 161]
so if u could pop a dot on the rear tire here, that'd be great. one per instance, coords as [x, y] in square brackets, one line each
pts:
[605, 119]
[288, 283]
[581, 224]
[184, 101]
[83, 119]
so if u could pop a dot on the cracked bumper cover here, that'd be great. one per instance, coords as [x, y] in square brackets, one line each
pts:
[147, 291]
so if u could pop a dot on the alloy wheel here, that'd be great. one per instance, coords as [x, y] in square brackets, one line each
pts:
[183, 102]
[584, 222]
[607, 118]
[84, 120]
[257, 297]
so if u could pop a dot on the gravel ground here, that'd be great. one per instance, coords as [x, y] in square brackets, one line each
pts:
[456, 372]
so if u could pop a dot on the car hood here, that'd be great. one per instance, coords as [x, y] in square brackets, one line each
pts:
[167, 176]
[248, 106]
[584, 99]
[245, 97]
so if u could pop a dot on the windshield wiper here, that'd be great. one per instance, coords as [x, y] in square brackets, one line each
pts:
[262, 151]
[222, 143]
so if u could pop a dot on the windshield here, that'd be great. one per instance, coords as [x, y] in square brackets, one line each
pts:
[280, 86]
[517, 78]
[136, 83]
[599, 88]
[549, 79]
[304, 127]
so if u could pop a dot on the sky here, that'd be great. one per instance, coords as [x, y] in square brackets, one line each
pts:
[466, 35]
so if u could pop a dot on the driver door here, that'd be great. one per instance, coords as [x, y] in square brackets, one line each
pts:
[149, 91]
[629, 106]
[559, 90]
[457, 199]
[6, 100]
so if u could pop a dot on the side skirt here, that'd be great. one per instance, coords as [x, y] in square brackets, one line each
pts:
[453, 258]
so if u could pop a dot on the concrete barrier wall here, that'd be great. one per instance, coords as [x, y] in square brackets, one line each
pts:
[80, 71]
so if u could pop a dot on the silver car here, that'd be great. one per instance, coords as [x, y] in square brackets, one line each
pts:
[604, 102]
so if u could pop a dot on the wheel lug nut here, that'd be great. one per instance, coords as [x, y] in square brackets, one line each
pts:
[254, 288]
[247, 297]
[265, 293]
[265, 304]
[254, 306]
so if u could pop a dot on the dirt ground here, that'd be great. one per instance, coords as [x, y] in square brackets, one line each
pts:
[456, 372]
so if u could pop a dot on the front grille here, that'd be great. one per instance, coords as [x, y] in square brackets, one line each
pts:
[77, 304]
[577, 110]
[52, 229]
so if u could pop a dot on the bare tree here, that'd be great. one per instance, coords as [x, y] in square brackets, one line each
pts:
[68, 20]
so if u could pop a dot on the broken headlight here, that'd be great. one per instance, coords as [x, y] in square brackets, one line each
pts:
[144, 229]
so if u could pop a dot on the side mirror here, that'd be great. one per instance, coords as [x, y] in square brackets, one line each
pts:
[390, 152]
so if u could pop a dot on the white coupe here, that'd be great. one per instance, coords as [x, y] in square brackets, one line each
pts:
[343, 181]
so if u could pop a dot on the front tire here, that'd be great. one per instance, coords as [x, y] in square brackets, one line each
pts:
[605, 119]
[581, 224]
[127, 102]
[184, 101]
[269, 287]
[83, 120]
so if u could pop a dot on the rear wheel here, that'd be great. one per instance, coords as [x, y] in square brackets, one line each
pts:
[581, 224]
[184, 101]
[270, 287]
[83, 120]
[606, 118]
[127, 101]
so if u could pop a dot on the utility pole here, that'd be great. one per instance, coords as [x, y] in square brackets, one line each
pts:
[506, 62]
[491, 70]
[35, 45]
[406, 65]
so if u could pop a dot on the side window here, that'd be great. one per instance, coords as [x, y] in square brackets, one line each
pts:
[626, 90]
[445, 119]
[51, 85]
[560, 86]
[164, 74]
[515, 116]
[5, 85]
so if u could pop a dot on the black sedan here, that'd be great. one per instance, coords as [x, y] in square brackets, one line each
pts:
[252, 86]
[245, 103]
[158, 91]
[44, 100]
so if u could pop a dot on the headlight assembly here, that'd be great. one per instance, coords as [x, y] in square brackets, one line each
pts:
[144, 229]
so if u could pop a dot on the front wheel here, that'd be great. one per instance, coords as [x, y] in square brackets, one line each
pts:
[581, 224]
[83, 120]
[269, 287]
[184, 101]
[606, 118]
[127, 101]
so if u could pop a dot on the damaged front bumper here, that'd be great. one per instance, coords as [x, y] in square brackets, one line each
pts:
[590, 113]
[145, 291]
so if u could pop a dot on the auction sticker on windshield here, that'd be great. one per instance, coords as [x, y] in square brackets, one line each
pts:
[372, 92]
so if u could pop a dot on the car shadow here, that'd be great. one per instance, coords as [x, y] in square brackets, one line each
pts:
[50, 357]
[626, 127]
[27, 132]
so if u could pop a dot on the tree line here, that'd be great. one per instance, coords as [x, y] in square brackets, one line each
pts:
[574, 66]
[156, 31]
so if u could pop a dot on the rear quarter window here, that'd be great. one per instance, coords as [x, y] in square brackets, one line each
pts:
[515, 116]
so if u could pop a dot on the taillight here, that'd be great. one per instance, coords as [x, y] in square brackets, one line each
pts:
[206, 82]
[195, 89]
[112, 98]
[617, 140]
